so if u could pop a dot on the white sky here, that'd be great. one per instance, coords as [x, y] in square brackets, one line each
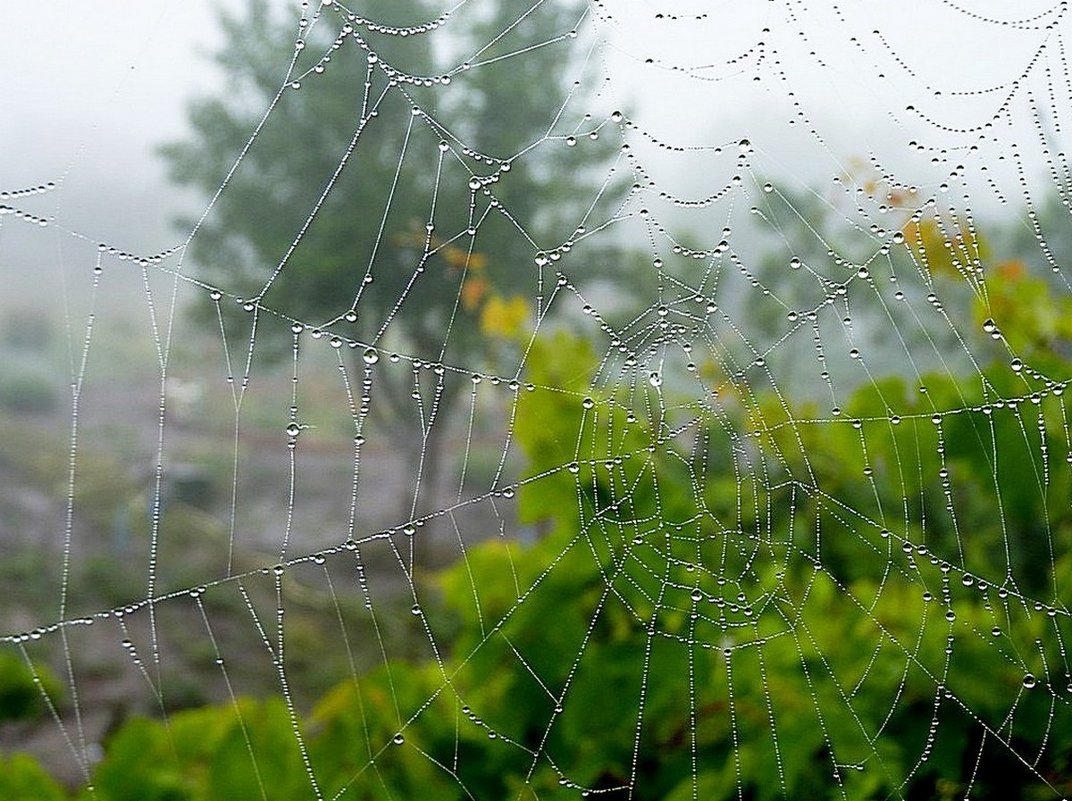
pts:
[91, 88]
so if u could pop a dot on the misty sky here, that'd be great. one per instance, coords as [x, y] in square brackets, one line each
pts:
[92, 88]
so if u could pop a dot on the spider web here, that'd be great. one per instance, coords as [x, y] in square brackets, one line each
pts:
[766, 488]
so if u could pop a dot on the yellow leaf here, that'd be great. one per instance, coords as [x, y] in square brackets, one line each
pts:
[461, 259]
[504, 317]
[455, 257]
[944, 246]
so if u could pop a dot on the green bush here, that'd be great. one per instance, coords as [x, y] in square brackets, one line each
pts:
[20, 690]
[22, 779]
[781, 604]
[821, 684]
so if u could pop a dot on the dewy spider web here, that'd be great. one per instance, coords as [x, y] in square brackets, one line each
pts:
[754, 483]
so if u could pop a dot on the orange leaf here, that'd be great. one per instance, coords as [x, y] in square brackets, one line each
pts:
[473, 291]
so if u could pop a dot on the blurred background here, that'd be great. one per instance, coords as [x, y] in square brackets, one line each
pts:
[730, 340]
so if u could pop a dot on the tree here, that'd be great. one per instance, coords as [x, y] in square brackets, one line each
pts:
[387, 197]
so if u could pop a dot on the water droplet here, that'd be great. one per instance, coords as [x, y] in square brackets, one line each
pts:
[588, 403]
[571, 141]
[398, 739]
[898, 238]
[1016, 365]
[1030, 681]
[293, 429]
[370, 356]
[655, 380]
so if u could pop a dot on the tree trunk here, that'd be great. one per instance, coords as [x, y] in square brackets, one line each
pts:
[422, 456]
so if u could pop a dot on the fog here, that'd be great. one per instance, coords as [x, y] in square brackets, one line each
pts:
[821, 92]
[92, 89]
[149, 448]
